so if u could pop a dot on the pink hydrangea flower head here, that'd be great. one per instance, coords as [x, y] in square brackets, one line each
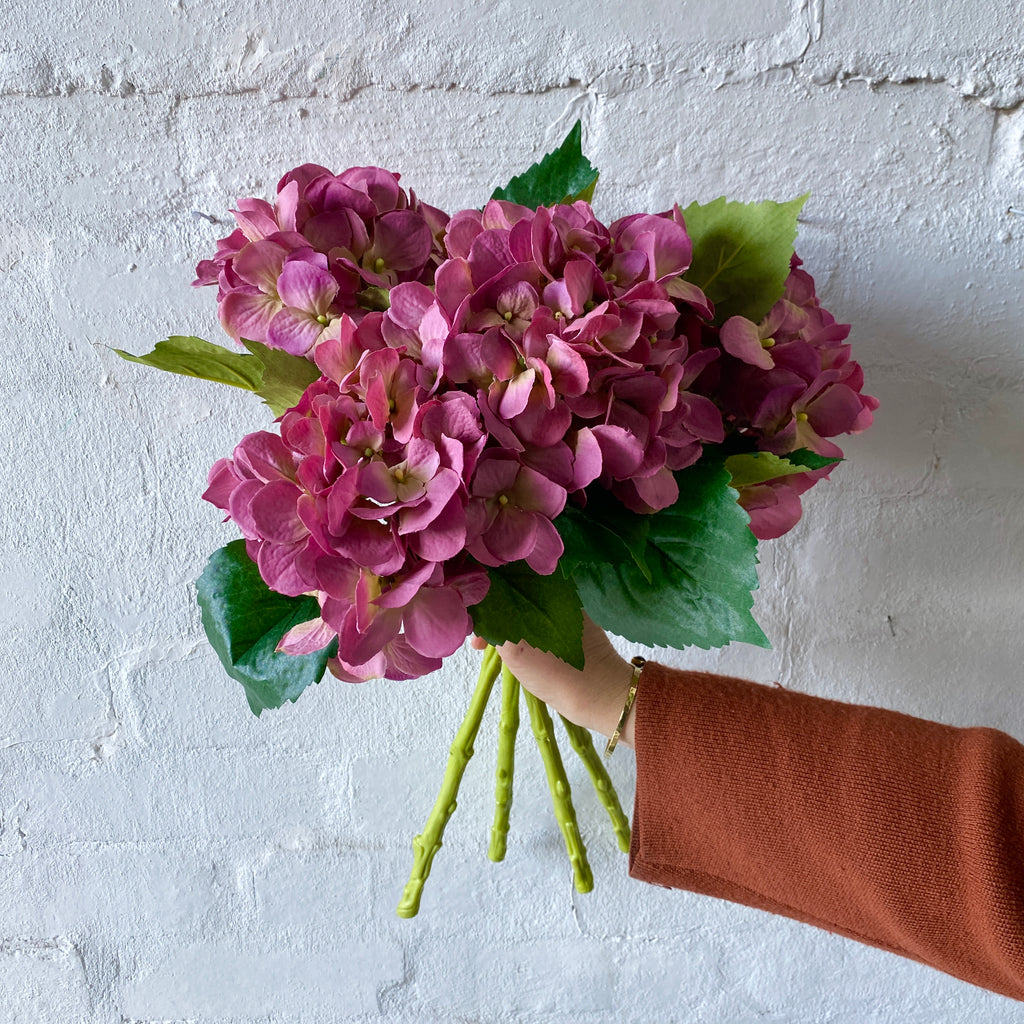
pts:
[774, 506]
[365, 231]
[476, 372]
[308, 291]
[663, 242]
[397, 627]
[511, 512]
[788, 382]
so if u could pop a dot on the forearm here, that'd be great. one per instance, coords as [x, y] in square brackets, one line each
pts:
[898, 832]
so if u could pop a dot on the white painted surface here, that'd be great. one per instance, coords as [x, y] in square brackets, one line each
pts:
[164, 856]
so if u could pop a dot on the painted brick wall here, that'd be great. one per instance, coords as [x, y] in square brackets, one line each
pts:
[164, 856]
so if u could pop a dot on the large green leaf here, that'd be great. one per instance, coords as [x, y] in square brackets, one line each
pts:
[604, 531]
[563, 176]
[193, 357]
[277, 377]
[702, 560]
[244, 621]
[285, 376]
[741, 253]
[523, 605]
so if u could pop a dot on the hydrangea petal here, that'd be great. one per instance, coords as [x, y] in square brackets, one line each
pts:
[587, 459]
[306, 286]
[409, 303]
[512, 534]
[273, 511]
[621, 451]
[362, 644]
[256, 218]
[517, 394]
[547, 548]
[281, 566]
[260, 264]
[265, 455]
[337, 229]
[238, 507]
[402, 662]
[375, 668]
[248, 314]
[436, 623]
[446, 535]
[222, 481]
[408, 586]
[306, 638]
[402, 240]
[293, 331]
[742, 338]
[657, 491]
[834, 411]
[538, 492]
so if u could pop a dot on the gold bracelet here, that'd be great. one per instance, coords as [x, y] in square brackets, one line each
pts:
[638, 664]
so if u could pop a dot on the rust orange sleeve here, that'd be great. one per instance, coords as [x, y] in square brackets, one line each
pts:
[899, 832]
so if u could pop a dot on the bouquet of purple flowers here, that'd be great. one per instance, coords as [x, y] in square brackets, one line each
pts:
[495, 421]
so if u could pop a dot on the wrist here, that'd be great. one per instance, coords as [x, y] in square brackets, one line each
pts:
[624, 724]
[600, 705]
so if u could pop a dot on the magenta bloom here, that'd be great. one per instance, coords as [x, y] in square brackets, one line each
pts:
[419, 606]
[774, 506]
[511, 513]
[398, 629]
[347, 233]
[662, 242]
[476, 372]
[787, 383]
[307, 291]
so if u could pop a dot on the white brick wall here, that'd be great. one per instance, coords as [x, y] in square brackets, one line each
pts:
[164, 856]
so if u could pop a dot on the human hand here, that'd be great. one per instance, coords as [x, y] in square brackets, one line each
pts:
[593, 698]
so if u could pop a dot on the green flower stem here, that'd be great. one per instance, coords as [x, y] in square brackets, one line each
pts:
[584, 746]
[428, 842]
[561, 796]
[507, 730]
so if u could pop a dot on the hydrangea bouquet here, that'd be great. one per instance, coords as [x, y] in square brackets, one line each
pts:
[494, 421]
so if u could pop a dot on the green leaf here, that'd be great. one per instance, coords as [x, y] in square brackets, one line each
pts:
[285, 376]
[561, 177]
[741, 253]
[604, 531]
[374, 298]
[277, 377]
[542, 610]
[811, 460]
[193, 357]
[244, 621]
[702, 559]
[757, 467]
